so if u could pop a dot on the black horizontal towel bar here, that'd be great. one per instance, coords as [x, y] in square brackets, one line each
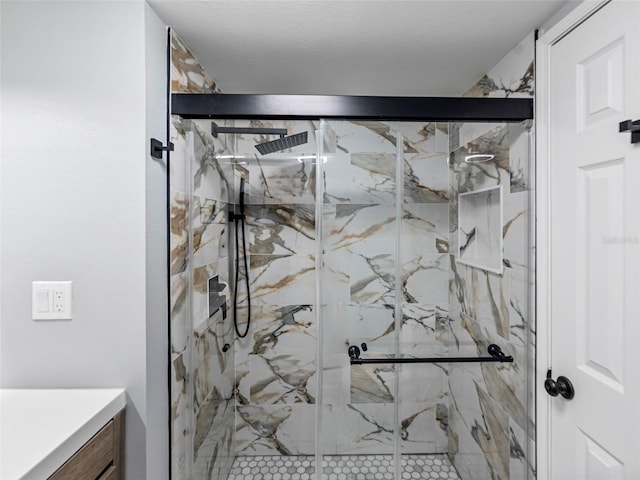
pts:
[495, 352]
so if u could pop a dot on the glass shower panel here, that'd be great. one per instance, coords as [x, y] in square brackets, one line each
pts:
[490, 413]
[275, 363]
[358, 298]
[424, 255]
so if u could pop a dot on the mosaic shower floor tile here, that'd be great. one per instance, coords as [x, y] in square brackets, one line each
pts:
[342, 467]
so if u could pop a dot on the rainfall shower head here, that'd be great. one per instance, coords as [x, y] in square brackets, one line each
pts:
[282, 143]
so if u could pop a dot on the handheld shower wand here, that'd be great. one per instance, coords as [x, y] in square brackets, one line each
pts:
[240, 218]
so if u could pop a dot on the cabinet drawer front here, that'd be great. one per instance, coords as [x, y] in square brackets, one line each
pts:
[91, 460]
[110, 474]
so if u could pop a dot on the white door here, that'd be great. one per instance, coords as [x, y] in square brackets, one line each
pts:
[594, 247]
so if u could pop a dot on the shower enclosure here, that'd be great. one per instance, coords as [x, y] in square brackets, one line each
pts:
[399, 240]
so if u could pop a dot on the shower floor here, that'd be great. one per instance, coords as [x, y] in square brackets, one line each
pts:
[342, 467]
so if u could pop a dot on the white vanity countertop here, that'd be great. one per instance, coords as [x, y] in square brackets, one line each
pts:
[41, 429]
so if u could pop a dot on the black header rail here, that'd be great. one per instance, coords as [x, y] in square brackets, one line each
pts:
[434, 109]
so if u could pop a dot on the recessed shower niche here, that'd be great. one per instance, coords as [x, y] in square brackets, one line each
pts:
[480, 214]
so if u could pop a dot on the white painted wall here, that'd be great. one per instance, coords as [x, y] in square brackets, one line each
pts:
[157, 301]
[80, 201]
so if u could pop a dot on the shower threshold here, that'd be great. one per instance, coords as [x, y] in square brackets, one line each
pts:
[342, 467]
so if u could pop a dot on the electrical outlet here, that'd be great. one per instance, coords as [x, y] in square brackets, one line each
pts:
[58, 301]
[51, 300]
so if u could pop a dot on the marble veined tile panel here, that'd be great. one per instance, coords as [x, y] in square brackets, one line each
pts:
[474, 176]
[506, 383]
[488, 297]
[336, 378]
[364, 136]
[187, 75]
[425, 279]
[365, 229]
[520, 292]
[353, 324]
[515, 230]
[423, 382]
[276, 329]
[281, 229]
[282, 179]
[512, 76]
[243, 380]
[180, 319]
[179, 401]
[179, 277]
[179, 236]
[282, 279]
[276, 361]
[444, 331]
[418, 137]
[358, 428]
[373, 178]
[521, 466]
[338, 181]
[179, 167]
[210, 232]
[426, 177]
[418, 331]
[418, 232]
[372, 383]
[372, 278]
[520, 158]
[283, 378]
[275, 429]
[481, 429]
[335, 279]
[443, 130]
[419, 431]
[214, 448]
[211, 177]
[213, 369]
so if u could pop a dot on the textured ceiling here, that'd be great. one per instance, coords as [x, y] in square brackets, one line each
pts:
[352, 47]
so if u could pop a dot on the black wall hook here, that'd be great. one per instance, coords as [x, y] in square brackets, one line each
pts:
[157, 148]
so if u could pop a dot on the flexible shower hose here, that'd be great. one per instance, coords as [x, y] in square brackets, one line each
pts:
[246, 269]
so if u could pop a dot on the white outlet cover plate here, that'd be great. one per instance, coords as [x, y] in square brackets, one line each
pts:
[51, 300]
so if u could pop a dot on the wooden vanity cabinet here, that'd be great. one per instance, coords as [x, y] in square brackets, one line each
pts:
[101, 458]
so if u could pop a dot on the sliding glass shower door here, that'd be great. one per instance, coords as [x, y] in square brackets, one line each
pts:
[372, 244]
[384, 284]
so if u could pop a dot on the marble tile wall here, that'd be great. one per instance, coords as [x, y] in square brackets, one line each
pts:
[202, 375]
[491, 423]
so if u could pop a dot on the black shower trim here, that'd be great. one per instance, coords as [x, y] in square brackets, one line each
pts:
[444, 109]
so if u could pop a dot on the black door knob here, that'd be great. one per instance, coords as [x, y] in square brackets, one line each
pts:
[562, 386]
